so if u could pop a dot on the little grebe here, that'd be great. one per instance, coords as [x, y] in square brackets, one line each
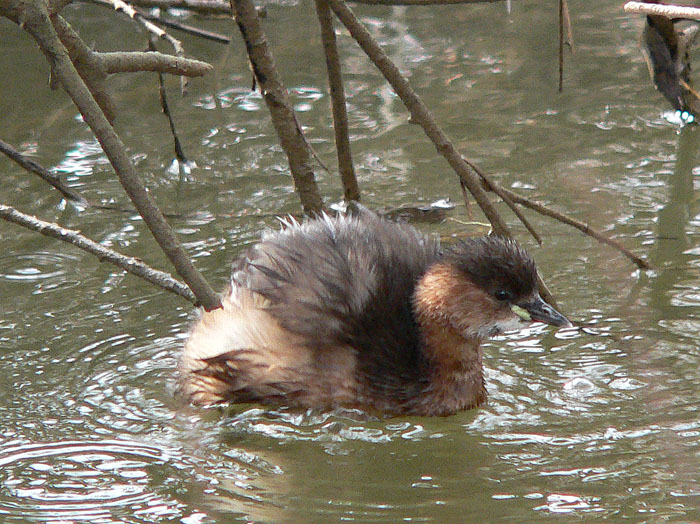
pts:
[358, 311]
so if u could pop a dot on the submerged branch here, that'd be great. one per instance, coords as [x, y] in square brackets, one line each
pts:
[129, 264]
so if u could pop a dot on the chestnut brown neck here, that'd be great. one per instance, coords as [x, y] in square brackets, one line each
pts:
[454, 359]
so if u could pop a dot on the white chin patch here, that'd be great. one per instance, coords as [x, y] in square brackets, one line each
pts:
[501, 326]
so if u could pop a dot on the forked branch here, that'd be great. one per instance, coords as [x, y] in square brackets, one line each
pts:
[36, 21]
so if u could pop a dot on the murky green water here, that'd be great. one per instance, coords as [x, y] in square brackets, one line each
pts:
[585, 425]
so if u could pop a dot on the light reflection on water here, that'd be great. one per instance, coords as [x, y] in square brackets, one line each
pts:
[82, 481]
[587, 423]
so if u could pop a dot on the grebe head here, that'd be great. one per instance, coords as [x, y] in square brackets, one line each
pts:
[482, 287]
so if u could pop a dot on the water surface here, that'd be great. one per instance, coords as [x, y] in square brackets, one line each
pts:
[581, 425]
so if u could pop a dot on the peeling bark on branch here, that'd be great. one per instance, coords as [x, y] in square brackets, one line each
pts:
[669, 11]
[204, 7]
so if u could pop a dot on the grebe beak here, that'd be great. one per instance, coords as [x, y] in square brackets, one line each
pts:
[537, 310]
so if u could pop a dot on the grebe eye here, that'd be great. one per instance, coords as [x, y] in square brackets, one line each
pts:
[502, 295]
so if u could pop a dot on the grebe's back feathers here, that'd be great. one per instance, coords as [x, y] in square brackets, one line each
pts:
[344, 281]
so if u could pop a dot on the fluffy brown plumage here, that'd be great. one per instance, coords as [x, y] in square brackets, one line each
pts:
[362, 312]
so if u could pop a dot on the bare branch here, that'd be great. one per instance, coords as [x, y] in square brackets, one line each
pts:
[561, 45]
[340, 114]
[204, 7]
[135, 61]
[88, 65]
[492, 186]
[129, 264]
[42, 172]
[122, 6]
[277, 99]
[187, 29]
[179, 153]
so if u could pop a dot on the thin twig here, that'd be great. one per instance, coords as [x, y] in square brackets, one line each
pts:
[584, 228]
[179, 153]
[351, 189]
[566, 36]
[569, 29]
[501, 193]
[669, 11]
[129, 264]
[204, 7]
[467, 202]
[172, 24]
[561, 45]
[120, 5]
[43, 173]
[187, 29]
[308, 144]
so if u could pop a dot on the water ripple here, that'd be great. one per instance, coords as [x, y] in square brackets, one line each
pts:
[48, 271]
[78, 481]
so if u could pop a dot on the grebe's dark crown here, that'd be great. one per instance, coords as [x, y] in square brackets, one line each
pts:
[496, 264]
